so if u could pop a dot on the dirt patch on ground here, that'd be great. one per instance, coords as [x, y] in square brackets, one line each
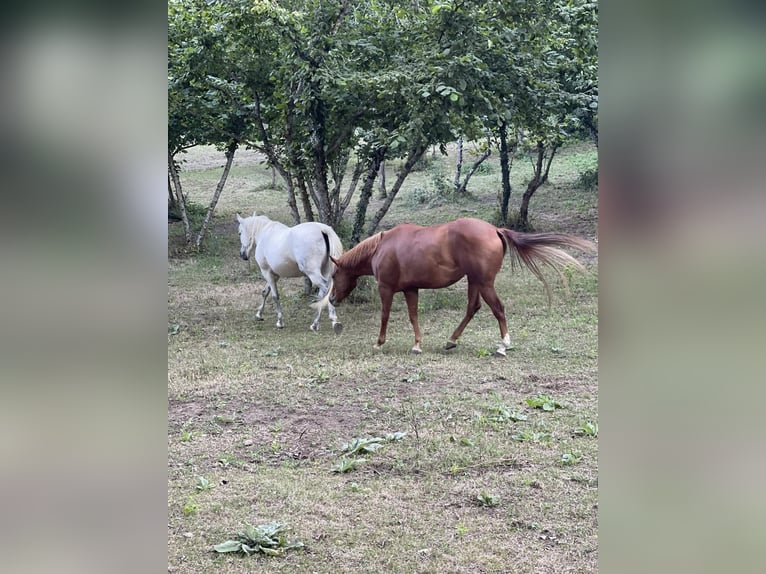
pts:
[287, 432]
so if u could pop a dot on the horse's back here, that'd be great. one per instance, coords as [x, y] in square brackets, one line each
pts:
[439, 255]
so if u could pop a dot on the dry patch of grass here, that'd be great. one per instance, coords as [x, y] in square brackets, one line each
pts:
[262, 414]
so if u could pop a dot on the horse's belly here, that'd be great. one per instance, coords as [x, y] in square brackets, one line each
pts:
[285, 268]
[434, 280]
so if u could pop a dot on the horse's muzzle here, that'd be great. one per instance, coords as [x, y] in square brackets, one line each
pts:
[243, 254]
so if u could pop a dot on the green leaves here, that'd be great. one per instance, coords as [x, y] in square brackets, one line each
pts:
[228, 546]
[544, 402]
[485, 498]
[587, 429]
[571, 458]
[500, 413]
[359, 446]
[203, 484]
[268, 539]
[346, 464]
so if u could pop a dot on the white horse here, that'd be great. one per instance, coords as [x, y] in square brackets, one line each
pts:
[283, 251]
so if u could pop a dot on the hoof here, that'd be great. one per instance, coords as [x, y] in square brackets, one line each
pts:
[258, 318]
[314, 327]
[338, 328]
[280, 326]
[500, 353]
[415, 351]
[450, 345]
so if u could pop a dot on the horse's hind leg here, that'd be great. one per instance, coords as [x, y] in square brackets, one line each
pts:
[259, 312]
[474, 304]
[271, 287]
[498, 310]
[323, 285]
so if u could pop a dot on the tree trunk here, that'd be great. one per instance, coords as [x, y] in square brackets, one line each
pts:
[305, 199]
[273, 177]
[505, 170]
[463, 187]
[540, 176]
[365, 194]
[230, 150]
[179, 197]
[338, 169]
[458, 163]
[268, 149]
[171, 197]
[288, 179]
[382, 180]
[358, 169]
[415, 154]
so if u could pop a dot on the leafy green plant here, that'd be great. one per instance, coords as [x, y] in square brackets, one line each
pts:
[362, 446]
[544, 402]
[531, 436]
[587, 429]
[487, 499]
[346, 464]
[203, 484]
[186, 436]
[419, 376]
[571, 457]
[482, 352]
[462, 529]
[354, 487]
[229, 460]
[369, 445]
[321, 376]
[267, 539]
[500, 413]
[190, 508]
[276, 427]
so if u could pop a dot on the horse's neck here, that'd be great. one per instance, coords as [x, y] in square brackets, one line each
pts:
[261, 225]
[359, 259]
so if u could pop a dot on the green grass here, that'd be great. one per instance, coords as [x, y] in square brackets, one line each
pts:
[264, 413]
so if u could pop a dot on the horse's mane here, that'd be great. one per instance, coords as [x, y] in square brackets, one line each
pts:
[361, 253]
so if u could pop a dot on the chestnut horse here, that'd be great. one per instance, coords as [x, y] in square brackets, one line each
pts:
[410, 257]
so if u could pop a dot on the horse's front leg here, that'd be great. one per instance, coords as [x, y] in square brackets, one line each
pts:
[386, 297]
[412, 307]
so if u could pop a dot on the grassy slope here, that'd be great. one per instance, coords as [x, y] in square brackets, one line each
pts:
[262, 412]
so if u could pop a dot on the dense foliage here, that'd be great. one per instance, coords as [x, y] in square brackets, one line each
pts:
[325, 89]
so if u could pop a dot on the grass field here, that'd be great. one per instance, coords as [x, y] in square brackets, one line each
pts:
[480, 482]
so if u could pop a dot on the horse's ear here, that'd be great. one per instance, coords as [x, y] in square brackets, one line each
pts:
[239, 219]
[254, 213]
[337, 263]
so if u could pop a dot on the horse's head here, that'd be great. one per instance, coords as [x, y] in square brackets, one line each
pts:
[245, 240]
[344, 282]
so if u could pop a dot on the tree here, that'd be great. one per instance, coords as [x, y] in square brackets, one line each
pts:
[329, 91]
[543, 85]
[206, 102]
